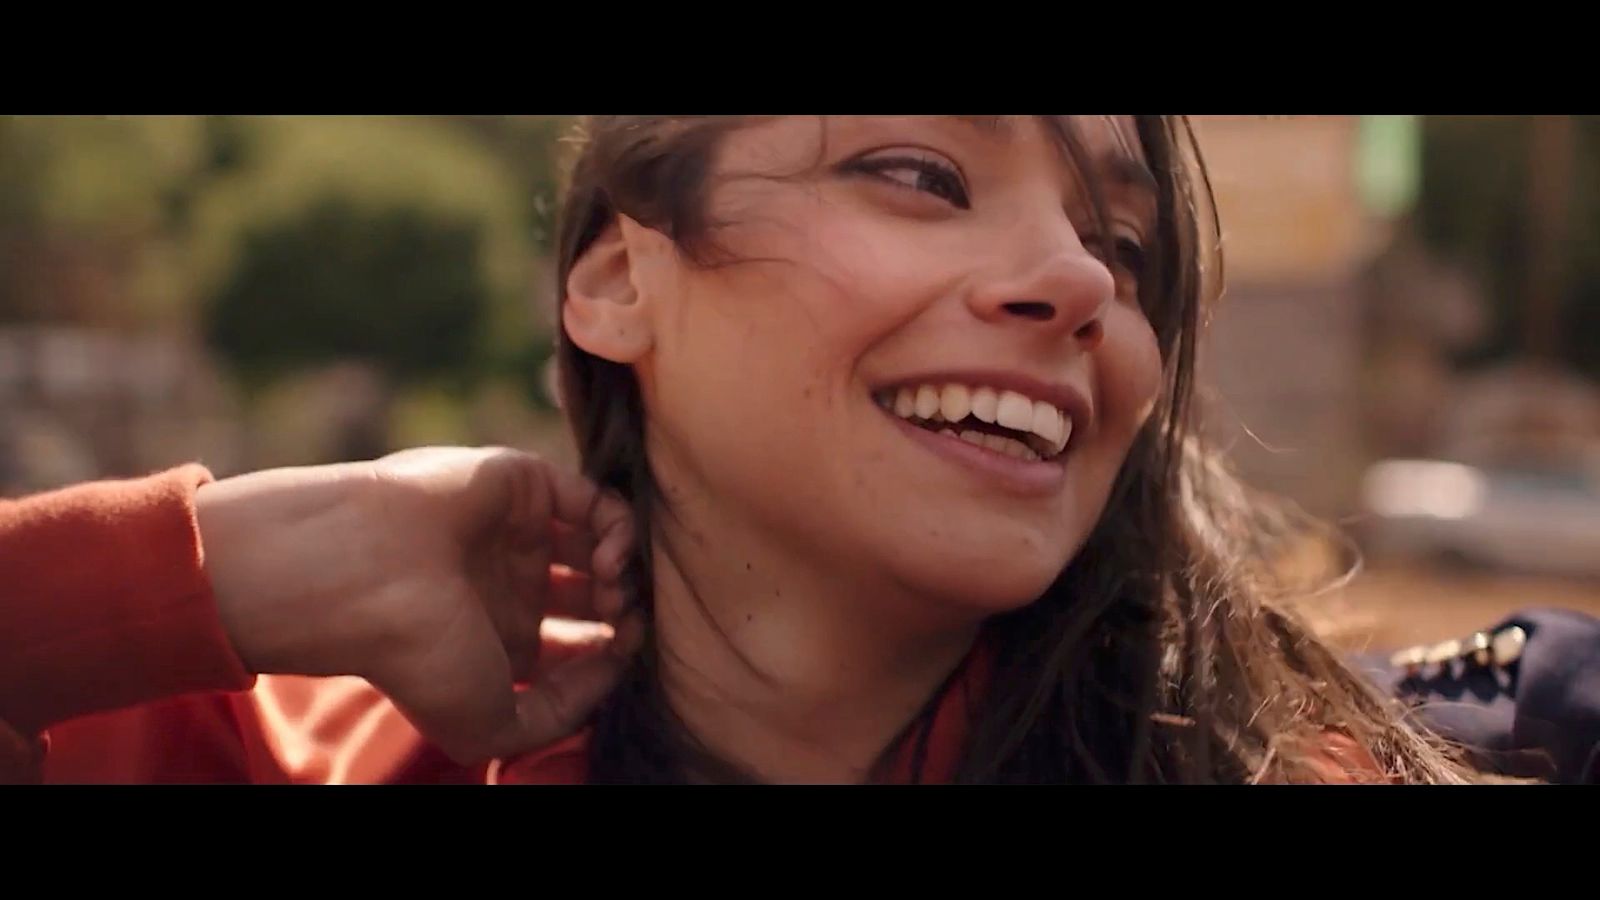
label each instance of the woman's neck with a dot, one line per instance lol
(791, 670)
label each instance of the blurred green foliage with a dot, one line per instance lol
(400, 289)
(91, 173)
(415, 242)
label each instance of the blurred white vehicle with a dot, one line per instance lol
(1536, 516)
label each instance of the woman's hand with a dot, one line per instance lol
(431, 573)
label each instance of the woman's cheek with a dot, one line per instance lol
(1130, 369)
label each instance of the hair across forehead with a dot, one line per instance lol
(665, 130)
(659, 171)
(643, 163)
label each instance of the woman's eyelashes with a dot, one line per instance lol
(1129, 254)
(1123, 254)
(916, 170)
(927, 172)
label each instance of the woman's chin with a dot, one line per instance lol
(991, 588)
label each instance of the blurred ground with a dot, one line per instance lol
(1390, 606)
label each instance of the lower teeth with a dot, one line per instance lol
(1005, 446)
(996, 443)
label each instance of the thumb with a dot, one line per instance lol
(567, 692)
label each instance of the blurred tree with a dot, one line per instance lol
(20, 164)
(1516, 202)
(129, 222)
(81, 224)
(227, 145)
(1582, 326)
(1471, 212)
(438, 167)
(400, 289)
(530, 147)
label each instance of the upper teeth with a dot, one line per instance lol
(1008, 409)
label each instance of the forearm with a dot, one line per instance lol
(284, 549)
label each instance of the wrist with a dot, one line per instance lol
(277, 548)
(216, 518)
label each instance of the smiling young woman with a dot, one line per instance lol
(906, 403)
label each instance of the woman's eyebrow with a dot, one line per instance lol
(990, 126)
(1126, 171)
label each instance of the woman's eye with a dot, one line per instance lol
(1127, 254)
(919, 173)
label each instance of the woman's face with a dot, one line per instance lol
(920, 361)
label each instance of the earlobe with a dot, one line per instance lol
(603, 311)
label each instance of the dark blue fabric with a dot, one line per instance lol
(1536, 717)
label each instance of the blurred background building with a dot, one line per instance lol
(1409, 342)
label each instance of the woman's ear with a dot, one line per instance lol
(604, 311)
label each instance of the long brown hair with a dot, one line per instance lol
(1167, 651)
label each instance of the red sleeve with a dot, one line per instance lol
(115, 667)
(105, 603)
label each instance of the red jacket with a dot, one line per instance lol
(114, 668)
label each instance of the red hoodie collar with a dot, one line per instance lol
(567, 760)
